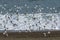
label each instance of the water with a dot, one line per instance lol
(30, 6)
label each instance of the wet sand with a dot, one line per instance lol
(55, 35)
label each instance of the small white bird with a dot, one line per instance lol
(49, 32)
(5, 33)
(44, 34)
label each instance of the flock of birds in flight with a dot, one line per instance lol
(36, 17)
